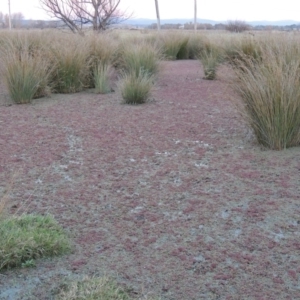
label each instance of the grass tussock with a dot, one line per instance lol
(242, 49)
(136, 89)
(102, 78)
(24, 67)
(70, 65)
(101, 53)
(140, 57)
(270, 94)
(93, 289)
(26, 77)
(210, 62)
(196, 45)
(29, 237)
(175, 45)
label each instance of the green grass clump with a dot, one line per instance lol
(135, 89)
(71, 66)
(196, 44)
(210, 62)
(24, 67)
(102, 288)
(101, 51)
(237, 50)
(29, 237)
(141, 56)
(26, 77)
(175, 46)
(270, 94)
(101, 78)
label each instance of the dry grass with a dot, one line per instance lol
(135, 89)
(142, 56)
(270, 93)
(103, 288)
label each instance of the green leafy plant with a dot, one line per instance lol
(30, 263)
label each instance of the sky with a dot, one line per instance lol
(218, 10)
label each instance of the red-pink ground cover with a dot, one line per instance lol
(173, 198)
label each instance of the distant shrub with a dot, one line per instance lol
(237, 26)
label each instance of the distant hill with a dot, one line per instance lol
(274, 23)
(147, 22)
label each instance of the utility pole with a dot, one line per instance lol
(9, 15)
(195, 15)
(157, 15)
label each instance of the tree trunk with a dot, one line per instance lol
(9, 15)
(195, 15)
(157, 15)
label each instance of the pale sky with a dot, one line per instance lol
(219, 10)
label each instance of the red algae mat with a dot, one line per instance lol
(173, 198)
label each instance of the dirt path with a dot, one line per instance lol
(173, 198)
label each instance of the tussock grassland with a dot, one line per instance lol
(266, 68)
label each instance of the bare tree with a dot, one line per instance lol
(16, 20)
(76, 13)
(157, 15)
(237, 26)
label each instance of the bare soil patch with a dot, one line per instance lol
(173, 198)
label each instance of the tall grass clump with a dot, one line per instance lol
(101, 53)
(28, 237)
(136, 88)
(196, 44)
(26, 76)
(210, 61)
(101, 78)
(70, 64)
(242, 49)
(175, 45)
(140, 57)
(24, 67)
(270, 94)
